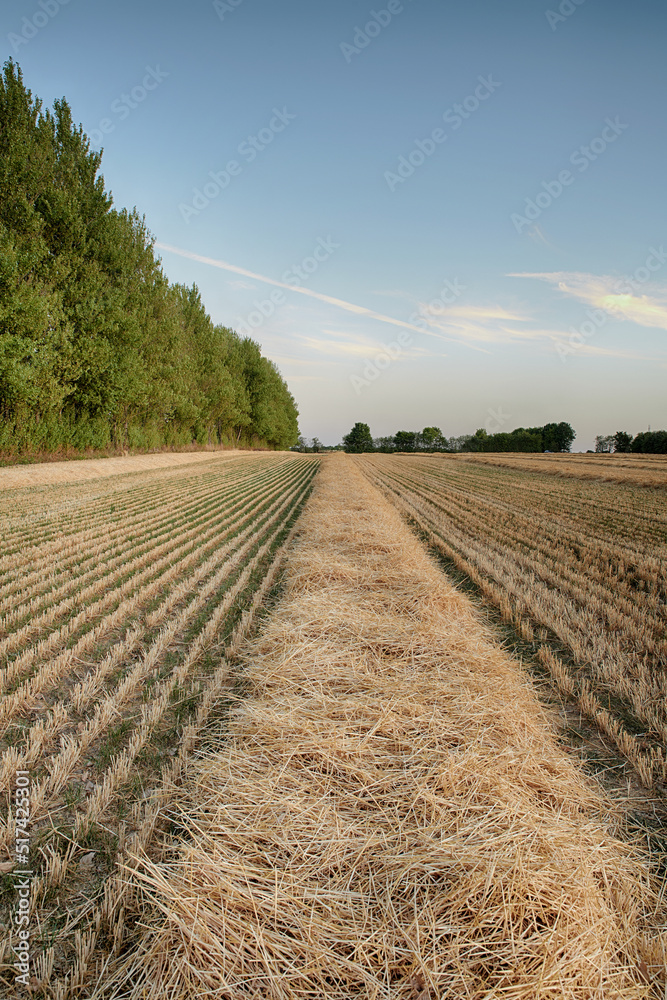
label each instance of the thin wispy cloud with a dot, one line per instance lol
(475, 325)
(602, 292)
(346, 346)
(500, 326)
(329, 299)
(592, 351)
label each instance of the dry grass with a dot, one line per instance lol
(641, 470)
(49, 473)
(582, 565)
(390, 815)
(114, 654)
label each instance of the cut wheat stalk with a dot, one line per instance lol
(391, 815)
(112, 552)
(139, 592)
(106, 582)
(623, 658)
(117, 889)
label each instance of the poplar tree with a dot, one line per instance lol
(97, 349)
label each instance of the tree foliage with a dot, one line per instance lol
(650, 443)
(359, 439)
(622, 441)
(646, 442)
(551, 437)
(97, 349)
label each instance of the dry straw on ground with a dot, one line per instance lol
(642, 470)
(48, 473)
(119, 614)
(390, 816)
(582, 566)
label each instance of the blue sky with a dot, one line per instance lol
(425, 212)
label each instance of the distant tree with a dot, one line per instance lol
(385, 444)
(405, 441)
(461, 443)
(557, 437)
(525, 440)
(359, 439)
(651, 442)
(604, 443)
(317, 445)
(622, 441)
(430, 437)
(479, 440)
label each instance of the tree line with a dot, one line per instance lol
(550, 437)
(97, 349)
(646, 442)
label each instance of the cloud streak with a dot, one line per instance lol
(474, 325)
(329, 299)
(341, 345)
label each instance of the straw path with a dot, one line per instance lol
(390, 815)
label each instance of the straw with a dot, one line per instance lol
(391, 815)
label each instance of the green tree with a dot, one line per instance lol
(622, 441)
(405, 441)
(359, 439)
(384, 444)
(479, 440)
(557, 437)
(96, 347)
(650, 442)
(430, 438)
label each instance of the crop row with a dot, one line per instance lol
(112, 670)
(594, 603)
(642, 470)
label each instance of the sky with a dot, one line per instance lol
(425, 212)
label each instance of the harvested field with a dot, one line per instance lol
(640, 470)
(389, 815)
(123, 599)
(578, 568)
(46, 473)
